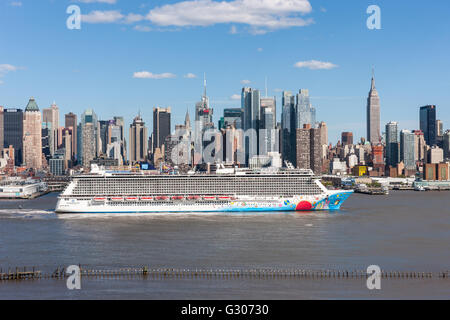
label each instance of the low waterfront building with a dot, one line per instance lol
(18, 188)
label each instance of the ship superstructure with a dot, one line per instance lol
(283, 190)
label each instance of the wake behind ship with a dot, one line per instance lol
(229, 191)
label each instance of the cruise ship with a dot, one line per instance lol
(230, 191)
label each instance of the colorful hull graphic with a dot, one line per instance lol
(332, 201)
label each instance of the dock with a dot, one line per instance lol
(17, 274)
(148, 273)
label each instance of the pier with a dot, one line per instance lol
(177, 273)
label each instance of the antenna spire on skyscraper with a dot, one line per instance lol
(373, 78)
(266, 86)
(204, 84)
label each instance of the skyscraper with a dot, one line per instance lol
(392, 145)
(288, 122)
(420, 146)
(251, 104)
(323, 133)
(89, 143)
(268, 137)
(203, 121)
(71, 122)
(439, 128)
(161, 126)
(407, 149)
(46, 132)
(232, 117)
(305, 112)
(119, 122)
(309, 149)
(32, 136)
(89, 137)
(13, 133)
(428, 124)
(373, 115)
(103, 127)
(446, 144)
(138, 140)
(51, 115)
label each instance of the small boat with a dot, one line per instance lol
(193, 197)
(224, 198)
(132, 198)
(419, 188)
(177, 198)
(116, 199)
(146, 198)
(99, 199)
(161, 198)
(209, 198)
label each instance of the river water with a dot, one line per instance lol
(404, 231)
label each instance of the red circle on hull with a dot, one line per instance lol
(304, 206)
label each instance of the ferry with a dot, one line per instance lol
(241, 190)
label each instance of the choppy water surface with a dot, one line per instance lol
(407, 231)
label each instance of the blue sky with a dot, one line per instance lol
(94, 67)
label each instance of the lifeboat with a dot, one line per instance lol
(177, 198)
(116, 199)
(224, 198)
(99, 199)
(146, 198)
(161, 198)
(193, 197)
(131, 198)
(209, 198)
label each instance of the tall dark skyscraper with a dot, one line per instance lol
(138, 140)
(71, 122)
(103, 126)
(251, 104)
(428, 124)
(161, 126)
(392, 144)
(373, 115)
(288, 120)
(13, 133)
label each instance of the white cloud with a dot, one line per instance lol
(235, 97)
(16, 3)
(244, 82)
(98, 1)
(133, 18)
(5, 68)
(315, 65)
(263, 15)
(142, 28)
(102, 16)
(150, 75)
(190, 76)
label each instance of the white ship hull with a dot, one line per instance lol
(330, 201)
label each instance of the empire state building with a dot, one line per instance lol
(373, 115)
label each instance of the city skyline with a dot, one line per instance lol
(99, 78)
